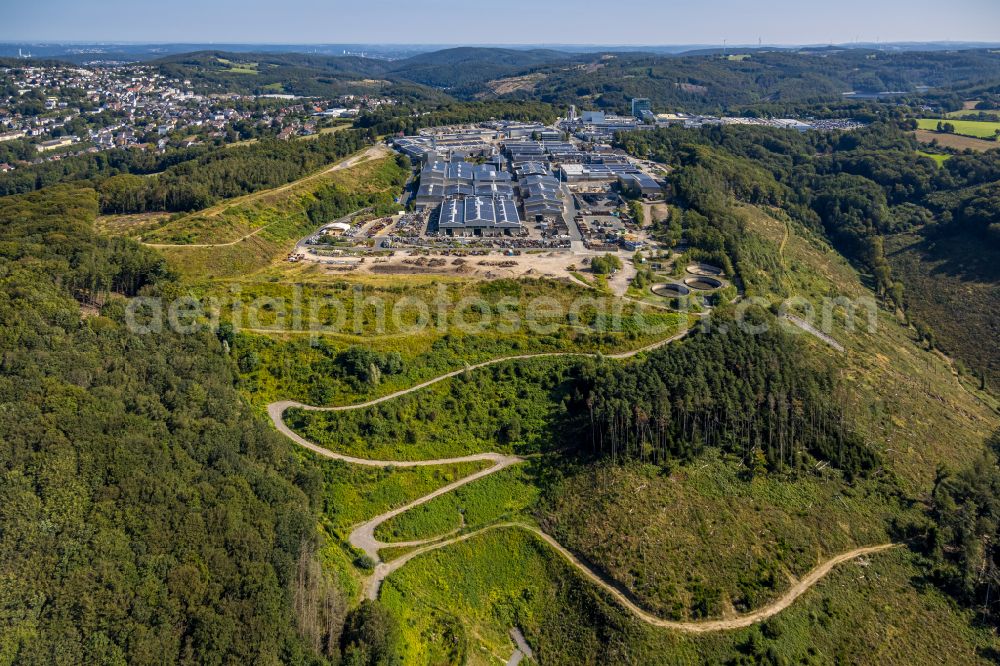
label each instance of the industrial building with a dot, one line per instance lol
(451, 145)
(541, 196)
(640, 105)
(479, 216)
(641, 183)
(576, 173)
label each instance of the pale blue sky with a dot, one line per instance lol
(501, 21)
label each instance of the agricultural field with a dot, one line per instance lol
(973, 128)
(954, 141)
(239, 67)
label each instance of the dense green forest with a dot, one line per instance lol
(757, 78)
(134, 181)
(95, 166)
(752, 394)
(294, 74)
(394, 120)
(147, 514)
(962, 539)
(715, 82)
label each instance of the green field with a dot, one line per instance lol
(974, 128)
(239, 67)
(966, 113)
(937, 157)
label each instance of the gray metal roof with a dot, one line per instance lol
(494, 190)
(479, 212)
(452, 214)
(506, 214)
(459, 189)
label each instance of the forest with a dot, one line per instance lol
(962, 537)
(186, 179)
(753, 395)
(698, 82)
(713, 82)
(148, 514)
(393, 120)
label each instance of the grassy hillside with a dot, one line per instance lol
(953, 284)
(903, 396)
(241, 235)
(973, 128)
(699, 539)
(233, 219)
(861, 614)
(281, 366)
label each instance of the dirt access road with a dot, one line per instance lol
(372, 153)
(363, 536)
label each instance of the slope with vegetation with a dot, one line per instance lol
(248, 233)
(863, 191)
(764, 79)
(148, 514)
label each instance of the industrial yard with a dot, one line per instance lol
(509, 198)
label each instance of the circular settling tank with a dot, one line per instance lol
(704, 269)
(703, 283)
(670, 290)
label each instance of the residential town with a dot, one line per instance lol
(58, 111)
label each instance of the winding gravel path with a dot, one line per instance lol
(625, 598)
(363, 536)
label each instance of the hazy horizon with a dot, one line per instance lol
(520, 23)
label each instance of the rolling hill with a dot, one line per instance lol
(604, 79)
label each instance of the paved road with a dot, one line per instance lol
(521, 650)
